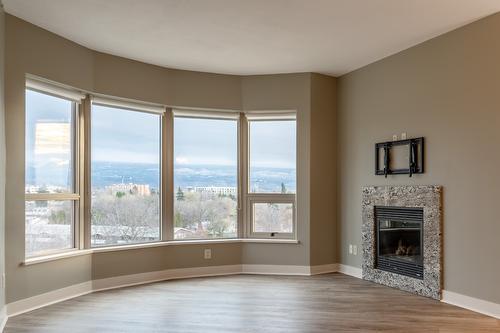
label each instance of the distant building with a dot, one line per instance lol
(218, 190)
(44, 189)
(183, 233)
(138, 189)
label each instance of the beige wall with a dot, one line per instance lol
(33, 50)
(109, 264)
(122, 77)
(323, 170)
(284, 92)
(63, 61)
(447, 90)
(2, 153)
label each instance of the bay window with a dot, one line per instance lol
(104, 171)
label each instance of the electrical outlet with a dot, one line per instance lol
(208, 254)
(403, 136)
(350, 248)
(355, 250)
(394, 137)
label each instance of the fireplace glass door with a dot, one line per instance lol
(400, 240)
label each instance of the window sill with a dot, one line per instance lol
(74, 253)
(55, 256)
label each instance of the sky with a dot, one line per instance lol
(214, 142)
(124, 136)
(119, 135)
(205, 142)
(272, 144)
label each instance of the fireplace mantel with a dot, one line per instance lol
(427, 197)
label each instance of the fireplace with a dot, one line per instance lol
(399, 240)
(401, 235)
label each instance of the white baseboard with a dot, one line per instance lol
(474, 304)
(350, 270)
(470, 303)
(3, 318)
(275, 269)
(323, 269)
(51, 297)
(168, 274)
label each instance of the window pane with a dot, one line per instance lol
(272, 156)
(49, 226)
(273, 217)
(49, 142)
(205, 178)
(125, 176)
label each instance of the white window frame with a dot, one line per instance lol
(76, 98)
(250, 197)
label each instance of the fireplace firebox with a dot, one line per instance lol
(399, 240)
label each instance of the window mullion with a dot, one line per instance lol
(84, 179)
(243, 177)
(167, 179)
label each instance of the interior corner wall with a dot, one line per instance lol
(323, 170)
(446, 90)
(2, 154)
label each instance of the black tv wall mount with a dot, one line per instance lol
(415, 157)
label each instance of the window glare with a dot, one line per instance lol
(125, 176)
(272, 156)
(49, 143)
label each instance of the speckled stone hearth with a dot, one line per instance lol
(427, 197)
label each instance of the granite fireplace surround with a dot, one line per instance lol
(427, 197)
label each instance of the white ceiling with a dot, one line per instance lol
(252, 36)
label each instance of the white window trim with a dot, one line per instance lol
(126, 104)
(201, 114)
(271, 115)
(54, 89)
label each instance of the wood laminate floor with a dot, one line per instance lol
(248, 303)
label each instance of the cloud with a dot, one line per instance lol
(181, 160)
